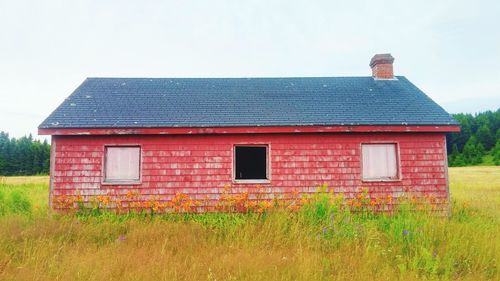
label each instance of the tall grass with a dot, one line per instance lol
(320, 242)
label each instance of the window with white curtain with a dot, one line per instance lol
(122, 164)
(380, 161)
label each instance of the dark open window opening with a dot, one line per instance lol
(251, 162)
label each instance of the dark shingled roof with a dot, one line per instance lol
(226, 102)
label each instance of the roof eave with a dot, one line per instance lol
(251, 130)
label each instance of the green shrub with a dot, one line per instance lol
(318, 209)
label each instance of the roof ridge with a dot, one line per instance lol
(249, 77)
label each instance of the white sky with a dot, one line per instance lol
(450, 49)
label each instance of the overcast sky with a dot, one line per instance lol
(449, 49)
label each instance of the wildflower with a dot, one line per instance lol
(104, 199)
(130, 195)
(156, 206)
(357, 204)
(432, 198)
(406, 232)
(293, 207)
(303, 201)
(350, 202)
(146, 204)
(121, 237)
(79, 198)
(118, 203)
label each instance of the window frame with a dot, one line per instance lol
(268, 164)
(399, 176)
(120, 182)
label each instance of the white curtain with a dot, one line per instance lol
(379, 161)
(122, 163)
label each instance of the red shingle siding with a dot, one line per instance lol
(200, 165)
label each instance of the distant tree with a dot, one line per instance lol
(45, 157)
(478, 136)
(23, 156)
(4, 142)
(456, 159)
(473, 153)
(485, 137)
(459, 161)
(465, 133)
(480, 152)
(496, 153)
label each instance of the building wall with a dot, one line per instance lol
(201, 165)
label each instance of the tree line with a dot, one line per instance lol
(23, 156)
(478, 142)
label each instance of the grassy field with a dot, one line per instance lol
(312, 244)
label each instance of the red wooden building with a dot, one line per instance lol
(196, 136)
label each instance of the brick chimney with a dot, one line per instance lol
(381, 65)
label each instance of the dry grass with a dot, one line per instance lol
(478, 187)
(275, 246)
(42, 180)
